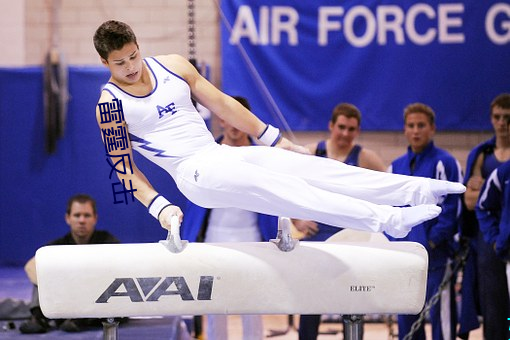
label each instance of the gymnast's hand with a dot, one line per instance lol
(286, 144)
(166, 215)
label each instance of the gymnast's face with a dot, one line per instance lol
(344, 131)
(82, 221)
(419, 131)
(125, 64)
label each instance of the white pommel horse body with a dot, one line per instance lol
(352, 277)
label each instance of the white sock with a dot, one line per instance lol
(412, 216)
(442, 188)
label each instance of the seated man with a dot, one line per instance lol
(81, 216)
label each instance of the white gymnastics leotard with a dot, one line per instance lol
(165, 127)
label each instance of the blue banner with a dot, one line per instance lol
(295, 60)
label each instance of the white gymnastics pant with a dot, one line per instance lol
(278, 182)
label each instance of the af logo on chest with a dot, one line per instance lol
(152, 288)
(165, 110)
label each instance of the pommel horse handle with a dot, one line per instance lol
(173, 240)
(284, 240)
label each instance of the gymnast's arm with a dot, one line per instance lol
(224, 106)
(144, 193)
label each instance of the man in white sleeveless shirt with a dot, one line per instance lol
(230, 225)
(164, 126)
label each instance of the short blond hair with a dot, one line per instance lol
(420, 108)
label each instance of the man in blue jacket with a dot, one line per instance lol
(424, 159)
(484, 276)
(493, 212)
(229, 225)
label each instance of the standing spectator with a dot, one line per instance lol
(230, 225)
(344, 128)
(493, 213)
(484, 277)
(424, 159)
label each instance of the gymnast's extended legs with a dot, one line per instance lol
(287, 184)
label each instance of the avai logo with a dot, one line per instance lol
(152, 288)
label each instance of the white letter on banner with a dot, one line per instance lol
(278, 25)
(412, 13)
(385, 25)
(446, 22)
(264, 25)
(325, 25)
(350, 17)
(244, 26)
(490, 18)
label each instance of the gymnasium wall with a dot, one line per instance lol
(36, 185)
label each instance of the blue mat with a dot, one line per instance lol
(134, 329)
(15, 286)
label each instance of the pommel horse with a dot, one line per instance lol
(173, 277)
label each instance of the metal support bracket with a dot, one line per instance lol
(284, 240)
(173, 240)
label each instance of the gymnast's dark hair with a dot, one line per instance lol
(112, 35)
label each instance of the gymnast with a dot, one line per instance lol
(277, 178)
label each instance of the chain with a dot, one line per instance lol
(191, 30)
(459, 265)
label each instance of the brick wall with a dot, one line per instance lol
(161, 27)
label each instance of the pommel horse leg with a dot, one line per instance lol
(110, 329)
(353, 327)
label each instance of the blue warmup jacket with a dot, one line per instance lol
(435, 163)
(493, 210)
(468, 319)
